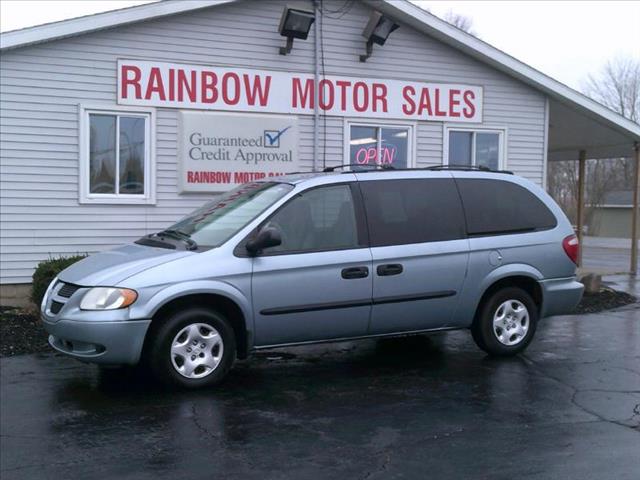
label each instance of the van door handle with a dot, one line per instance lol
(389, 270)
(355, 272)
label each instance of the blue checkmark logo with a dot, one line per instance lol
(272, 137)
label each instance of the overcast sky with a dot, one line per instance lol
(564, 39)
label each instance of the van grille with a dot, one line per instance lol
(67, 290)
(60, 294)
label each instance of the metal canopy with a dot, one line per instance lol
(571, 131)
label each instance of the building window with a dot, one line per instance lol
(484, 147)
(116, 160)
(380, 144)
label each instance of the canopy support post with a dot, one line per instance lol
(634, 211)
(582, 161)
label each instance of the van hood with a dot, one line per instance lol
(110, 268)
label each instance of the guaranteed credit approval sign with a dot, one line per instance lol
(201, 87)
(219, 151)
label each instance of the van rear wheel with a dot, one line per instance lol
(506, 322)
(192, 348)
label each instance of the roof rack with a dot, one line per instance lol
(373, 166)
(382, 168)
(468, 168)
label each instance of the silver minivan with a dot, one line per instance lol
(323, 257)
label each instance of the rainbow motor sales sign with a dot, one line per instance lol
(160, 84)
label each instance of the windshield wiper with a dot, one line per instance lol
(180, 235)
(152, 242)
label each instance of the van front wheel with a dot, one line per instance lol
(192, 348)
(506, 322)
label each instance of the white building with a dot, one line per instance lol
(117, 124)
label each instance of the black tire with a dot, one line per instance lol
(159, 355)
(483, 326)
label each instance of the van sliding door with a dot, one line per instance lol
(419, 250)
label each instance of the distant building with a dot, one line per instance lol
(613, 217)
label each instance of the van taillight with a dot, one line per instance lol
(571, 247)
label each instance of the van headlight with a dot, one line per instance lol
(108, 298)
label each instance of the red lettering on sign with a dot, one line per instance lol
(409, 107)
(186, 84)
(249, 90)
(342, 85)
(155, 85)
(208, 177)
(172, 86)
(454, 101)
(244, 177)
(360, 106)
(326, 94)
(134, 81)
(379, 96)
(257, 91)
(470, 110)
(303, 98)
(425, 102)
(439, 112)
(209, 92)
(227, 78)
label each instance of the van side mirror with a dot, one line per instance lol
(266, 238)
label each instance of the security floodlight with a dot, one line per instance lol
(295, 23)
(377, 31)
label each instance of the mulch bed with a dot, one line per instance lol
(606, 299)
(21, 331)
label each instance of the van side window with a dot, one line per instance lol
(407, 211)
(320, 219)
(496, 207)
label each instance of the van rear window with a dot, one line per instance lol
(495, 207)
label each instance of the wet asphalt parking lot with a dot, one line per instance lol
(415, 407)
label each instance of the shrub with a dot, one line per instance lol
(46, 271)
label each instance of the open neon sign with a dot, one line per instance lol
(369, 155)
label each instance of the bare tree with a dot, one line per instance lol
(617, 86)
(460, 21)
(602, 176)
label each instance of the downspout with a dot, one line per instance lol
(316, 73)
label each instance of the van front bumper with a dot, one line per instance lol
(103, 342)
(560, 296)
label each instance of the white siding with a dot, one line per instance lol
(42, 86)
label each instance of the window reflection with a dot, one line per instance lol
(102, 153)
(488, 150)
(121, 171)
(460, 144)
(474, 148)
(132, 131)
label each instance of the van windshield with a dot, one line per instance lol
(218, 220)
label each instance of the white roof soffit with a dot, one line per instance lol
(100, 21)
(402, 10)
